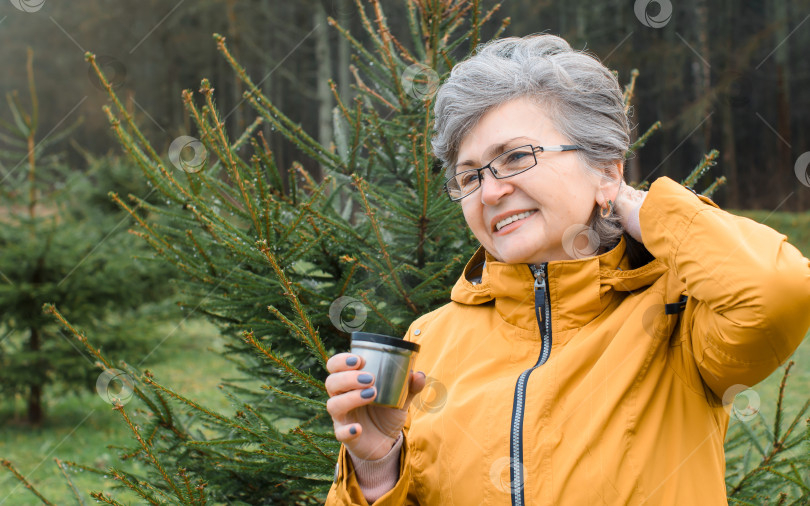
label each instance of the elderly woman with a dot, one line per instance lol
(595, 340)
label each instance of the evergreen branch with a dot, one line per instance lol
(469, 34)
(286, 366)
(258, 97)
(83, 467)
(709, 160)
(309, 440)
(708, 192)
(789, 478)
(8, 465)
(91, 58)
(303, 400)
(99, 496)
(269, 112)
(476, 12)
(208, 93)
(264, 233)
(376, 310)
(353, 41)
(313, 338)
(362, 186)
(753, 438)
(267, 157)
(363, 87)
(796, 420)
(504, 23)
(136, 154)
(373, 34)
(777, 423)
(338, 101)
(200, 409)
(184, 475)
(740, 501)
(384, 49)
(120, 408)
(72, 486)
(352, 269)
(629, 90)
(114, 196)
(203, 254)
(247, 134)
(134, 487)
(219, 442)
(641, 141)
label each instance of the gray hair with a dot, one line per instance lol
(583, 99)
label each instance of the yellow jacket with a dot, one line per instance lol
(626, 407)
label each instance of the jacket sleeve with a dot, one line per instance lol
(345, 490)
(749, 289)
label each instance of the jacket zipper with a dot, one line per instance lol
(542, 311)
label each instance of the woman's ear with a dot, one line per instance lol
(610, 184)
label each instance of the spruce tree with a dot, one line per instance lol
(59, 244)
(288, 266)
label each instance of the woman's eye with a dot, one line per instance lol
(519, 155)
(469, 178)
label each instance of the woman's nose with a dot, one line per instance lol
(492, 189)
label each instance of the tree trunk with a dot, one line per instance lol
(785, 175)
(236, 88)
(35, 411)
(343, 53)
(704, 73)
(323, 74)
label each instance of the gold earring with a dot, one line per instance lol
(604, 212)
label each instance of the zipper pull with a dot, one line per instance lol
(539, 276)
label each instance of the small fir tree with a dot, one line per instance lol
(59, 246)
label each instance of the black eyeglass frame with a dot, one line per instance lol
(535, 149)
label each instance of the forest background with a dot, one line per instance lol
(726, 75)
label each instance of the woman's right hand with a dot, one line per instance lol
(368, 432)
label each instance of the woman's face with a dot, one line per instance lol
(558, 192)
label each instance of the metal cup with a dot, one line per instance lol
(389, 359)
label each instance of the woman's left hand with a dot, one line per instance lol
(627, 206)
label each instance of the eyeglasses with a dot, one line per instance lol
(507, 164)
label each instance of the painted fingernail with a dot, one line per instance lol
(367, 393)
(353, 429)
(351, 361)
(365, 378)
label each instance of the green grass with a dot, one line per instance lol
(80, 427)
(796, 226)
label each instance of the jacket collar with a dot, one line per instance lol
(579, 290)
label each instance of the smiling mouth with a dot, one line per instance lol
(511, 219)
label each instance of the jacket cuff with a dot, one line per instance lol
(376, 477)
(346, 489)
(665, 228)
